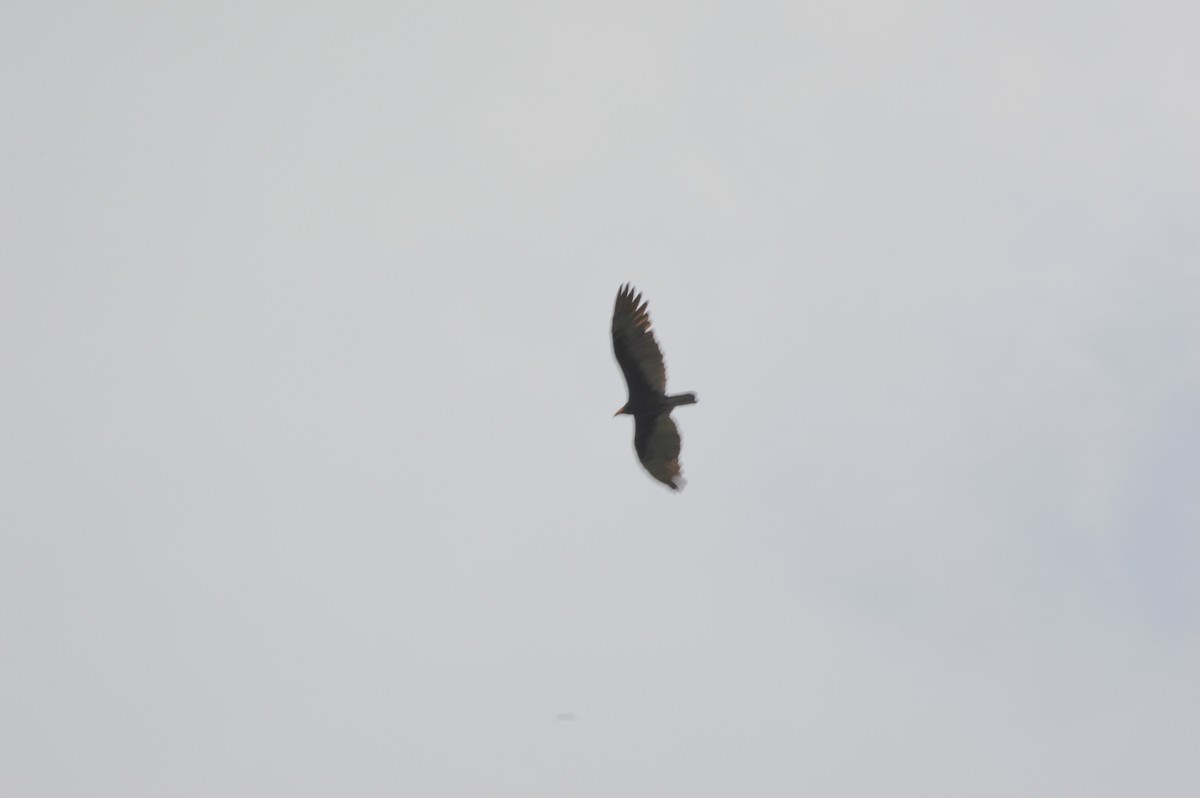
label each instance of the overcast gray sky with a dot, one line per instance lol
(310, 481)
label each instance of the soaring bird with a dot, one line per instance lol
(655, 437)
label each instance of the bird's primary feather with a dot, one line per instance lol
(633, 342)
(656, 441)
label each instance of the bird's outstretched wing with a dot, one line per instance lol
(637, 352)
(656, 440)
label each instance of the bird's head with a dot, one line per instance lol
(622, 411)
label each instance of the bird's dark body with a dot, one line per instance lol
(655, 437)
(647, 405)
(645, 418)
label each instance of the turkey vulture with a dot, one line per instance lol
(654, 434)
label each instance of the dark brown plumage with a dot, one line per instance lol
(655, 437)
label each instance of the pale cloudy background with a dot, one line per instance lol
(310, 484)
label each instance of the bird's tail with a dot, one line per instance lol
(681, 399)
